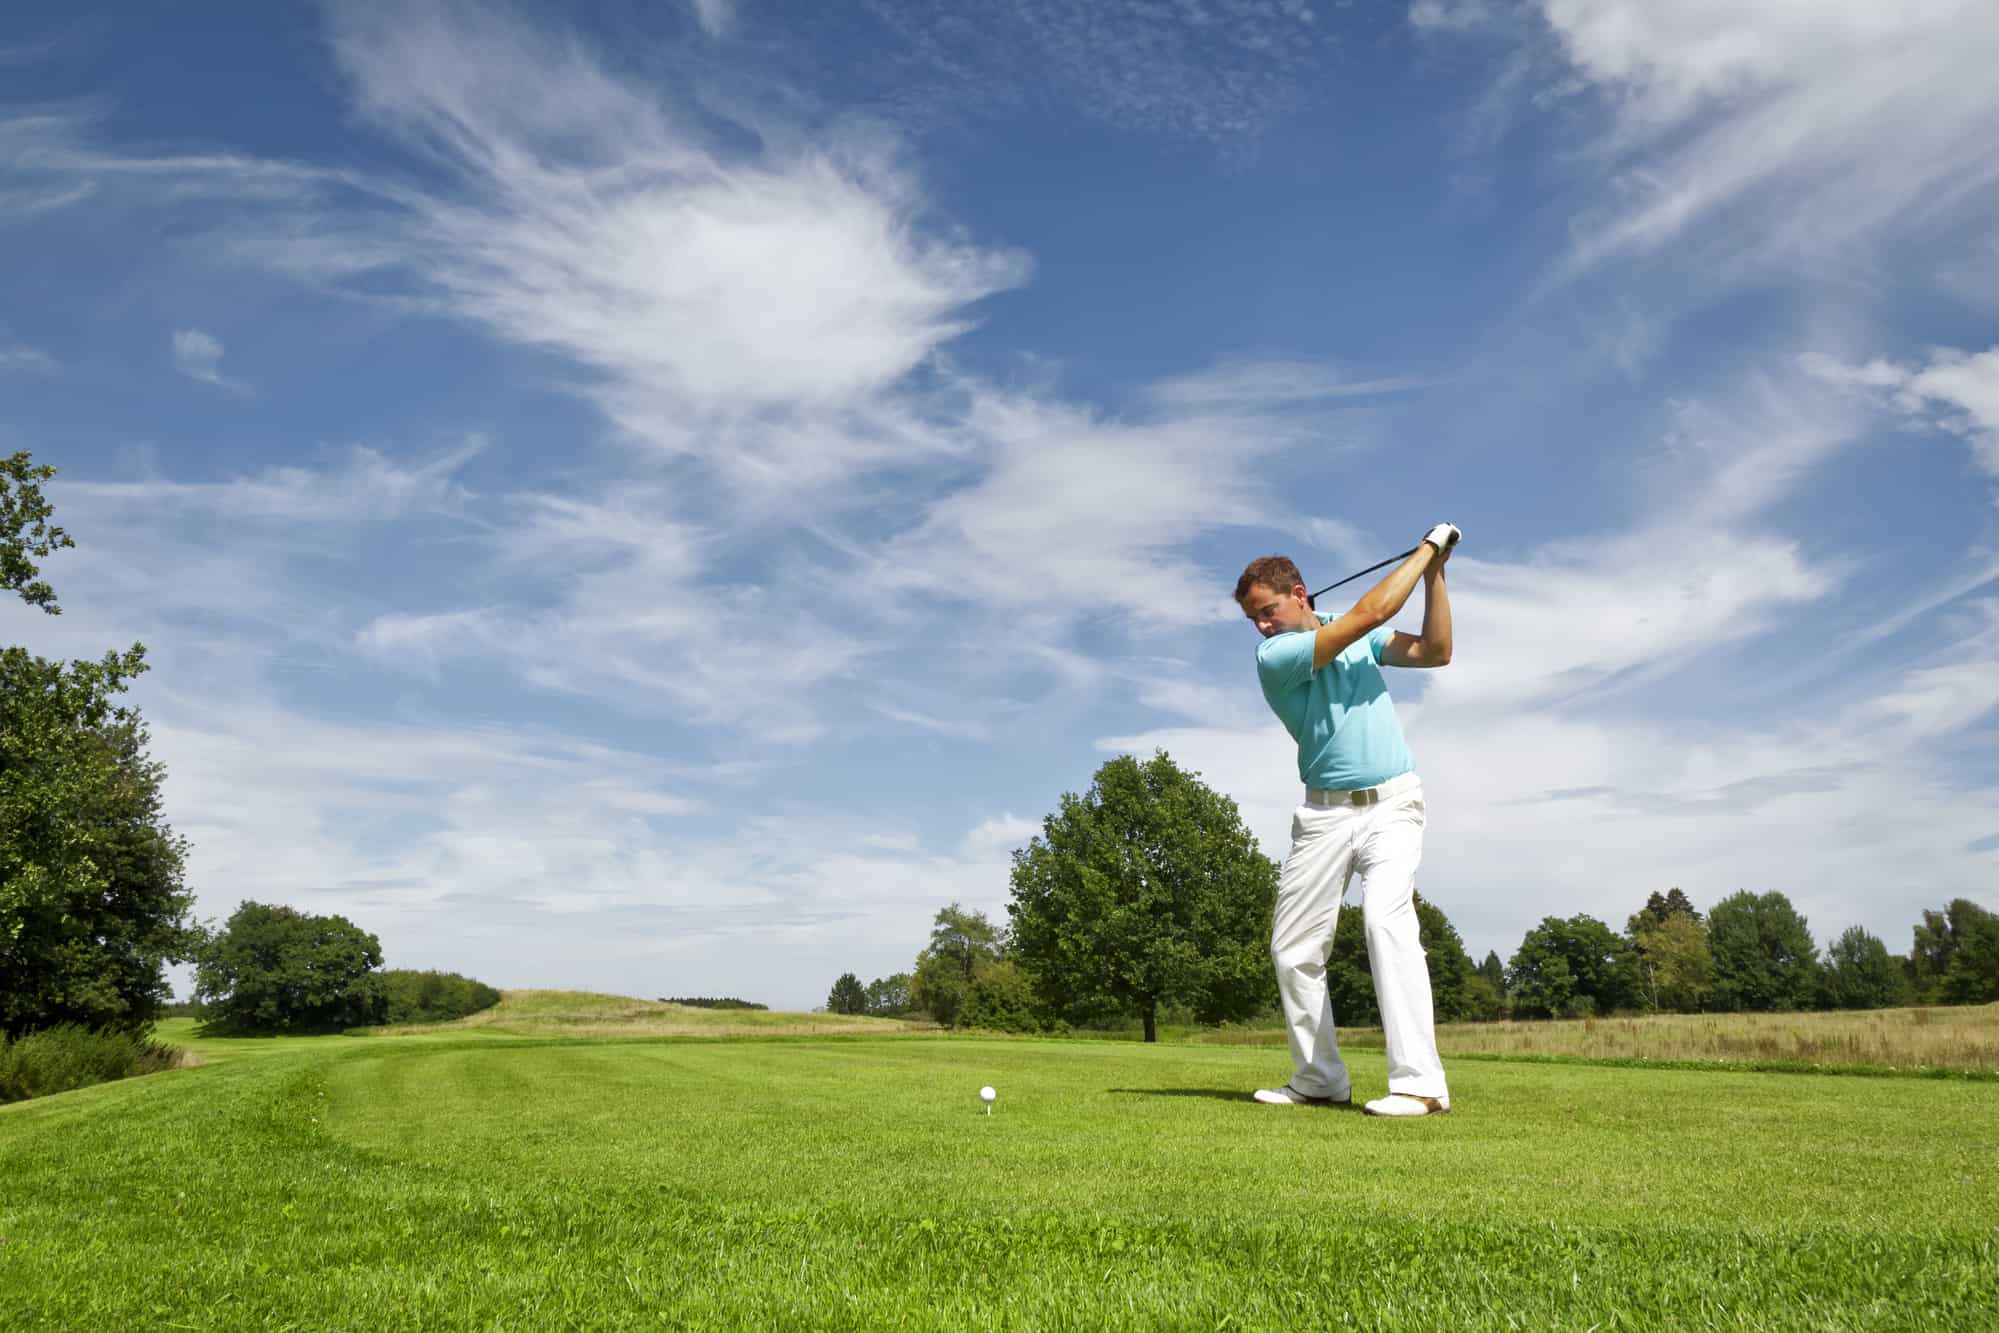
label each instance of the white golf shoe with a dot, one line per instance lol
(1290, 1096)
(1407, 1104)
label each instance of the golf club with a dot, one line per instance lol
(1450, 542)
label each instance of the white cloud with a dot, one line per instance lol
(1770, 131)
(32, 201)
(1452, 15)
(714, 16)
(970, 730)
(198, 356)
(1955, 390)
(590, 221)
(1000, 836)
(1078, 518)
(1268, 384)
(365, 485)
(21, 359)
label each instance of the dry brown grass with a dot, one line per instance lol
(582, 1014)
(1965, 1037)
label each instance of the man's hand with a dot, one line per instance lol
(1444, 536)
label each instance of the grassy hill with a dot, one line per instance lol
(586, 1014)
(549, 1013)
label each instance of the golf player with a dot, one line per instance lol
(1362, 817)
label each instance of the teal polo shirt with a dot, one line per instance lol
(1340, 715)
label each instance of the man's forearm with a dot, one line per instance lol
(1381, 602)
(1436, 615)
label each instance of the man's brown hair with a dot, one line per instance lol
(1275, 572)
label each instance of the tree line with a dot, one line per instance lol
(1145, 895)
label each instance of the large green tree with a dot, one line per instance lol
(1764, 955)
(1571, 967)
(1860, 974)
(274, 969)
(1145, 890)
(92, 900)
(1956, 955)
(1350, 977)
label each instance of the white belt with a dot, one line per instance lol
(1326, 796)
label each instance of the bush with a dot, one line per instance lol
(1001, 999)
(709, 1002)
(69, 1055)
(434, 997)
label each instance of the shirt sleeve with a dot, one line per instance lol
(1284, 661)
(1377, 641)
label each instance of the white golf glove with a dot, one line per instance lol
(1444, 536)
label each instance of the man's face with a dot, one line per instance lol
(1274, 612)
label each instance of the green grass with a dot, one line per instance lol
(479, 1180)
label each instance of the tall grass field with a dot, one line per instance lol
(513, 1174)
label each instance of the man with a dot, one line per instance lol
(1362, 816)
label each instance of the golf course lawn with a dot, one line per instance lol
(491, 1181)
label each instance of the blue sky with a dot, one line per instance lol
(664, 498)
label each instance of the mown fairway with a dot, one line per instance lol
(479, 1180)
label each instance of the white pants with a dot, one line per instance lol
(1382, 844)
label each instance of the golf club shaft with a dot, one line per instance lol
(1369, 570)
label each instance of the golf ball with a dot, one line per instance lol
(986, 1095)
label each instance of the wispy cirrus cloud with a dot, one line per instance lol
(1954, 390)
(1218, 70)
(1766, 133)
(20, 359)
(360, 484)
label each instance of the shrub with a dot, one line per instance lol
(709, 1002)
(1001, 999)
(434, 997)
(69, 1055)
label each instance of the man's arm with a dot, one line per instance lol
(1432, 648)
(1376, 607)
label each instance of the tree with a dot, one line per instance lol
(276, 969)
(433, 996)
(848, 996)
(963, 938)
(1494, 972)
(888, 997)
(1145, 890)
(1350, 976)
(1764, 956)
(1955, 959)
(92, 902)
(937, 987)
(25, 532)
(1658, 908)
(1483, 1003)
(1569, 968)
(959, 942)
(1860, 974)
(1674, 961)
